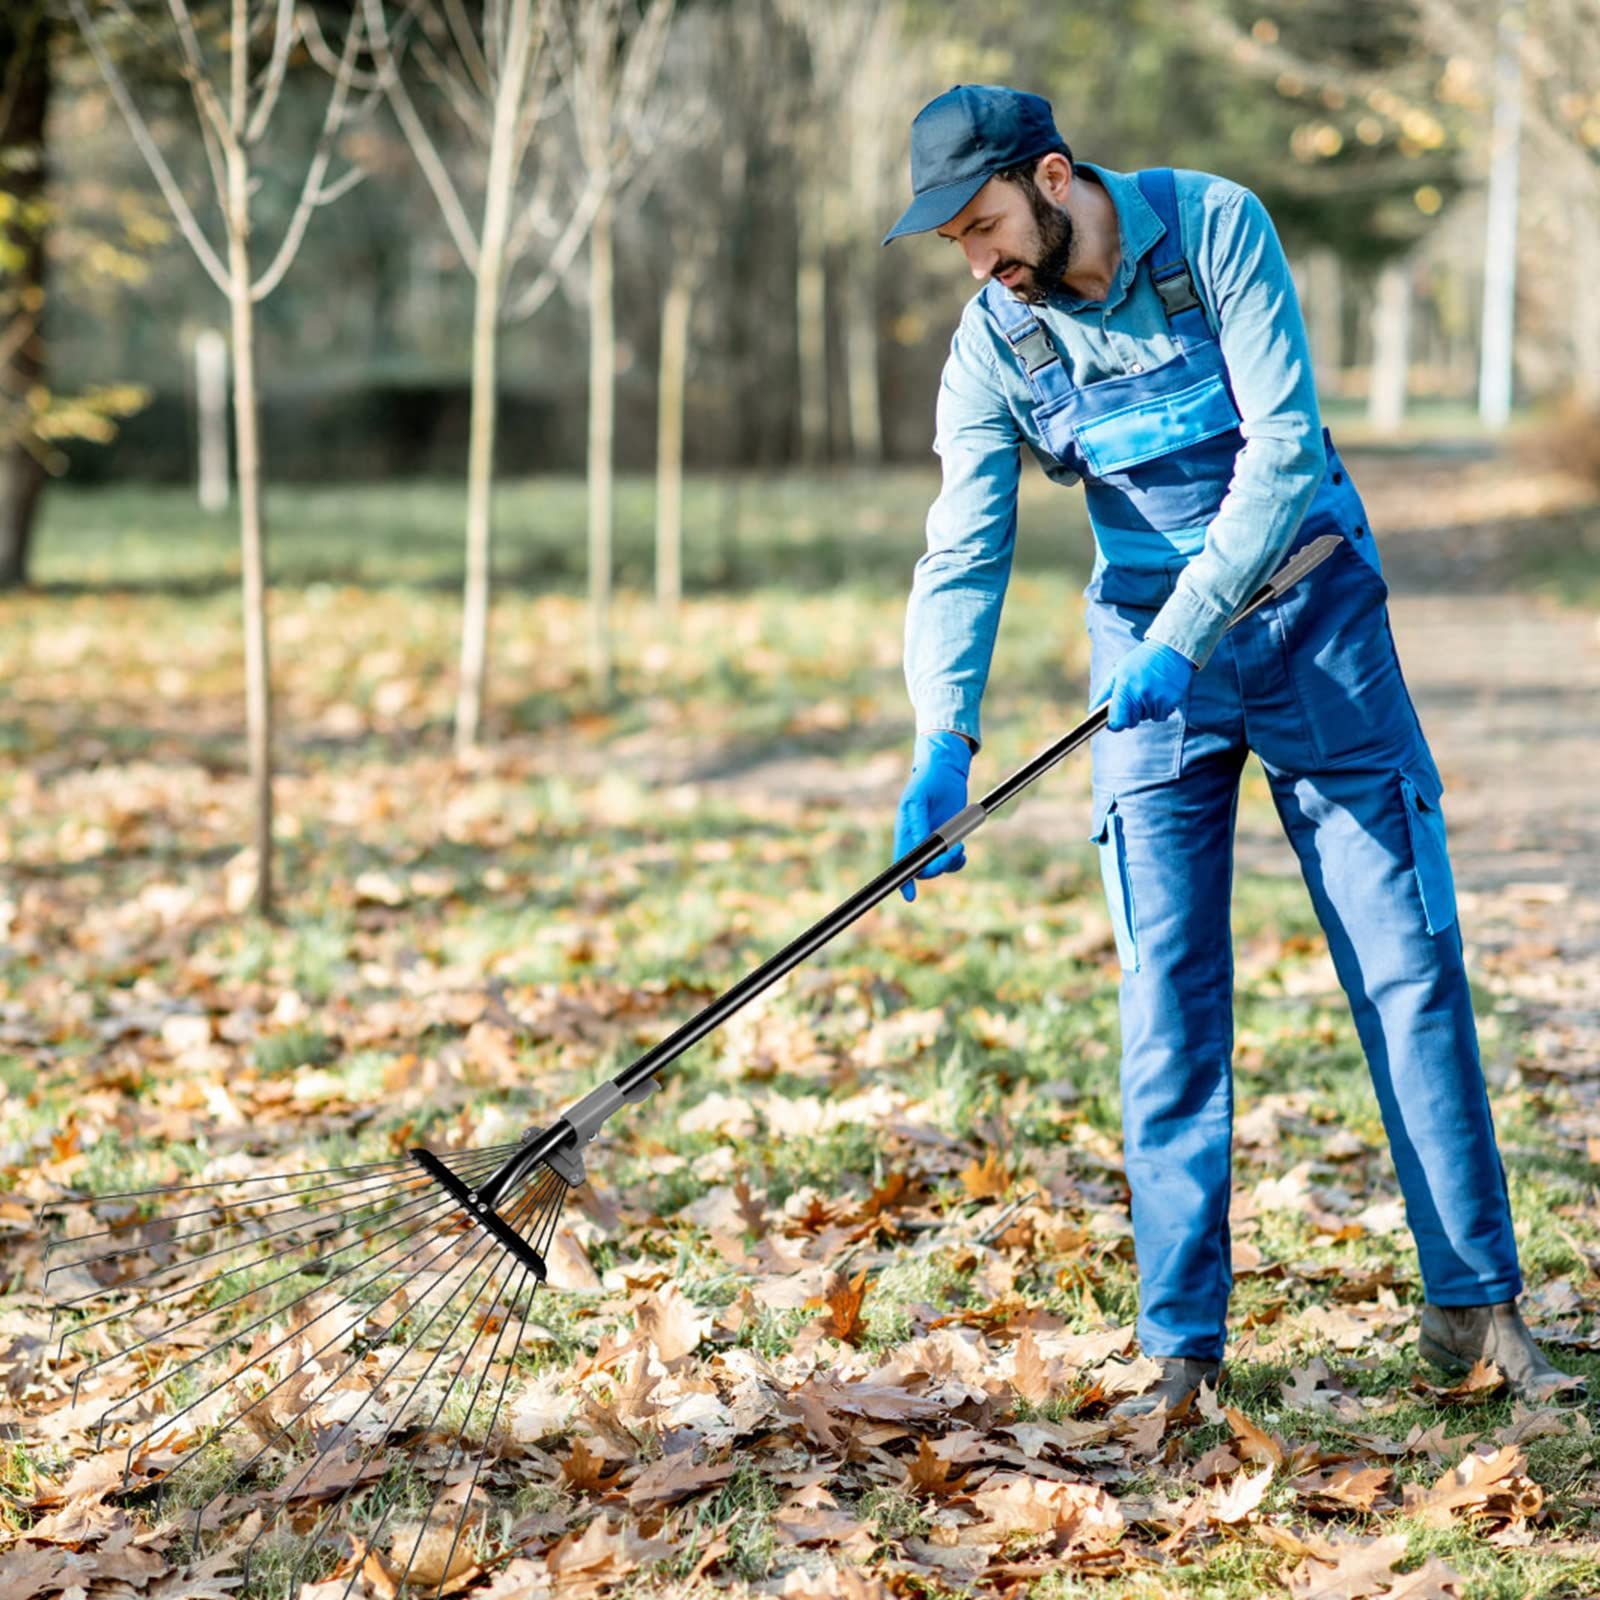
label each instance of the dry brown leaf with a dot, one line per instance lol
(1478, 1486)
(1082, 1512)
(1481, 1384)
(1433, 1580)
(674, 1478)
(834, 1583)
(439, 1554)
(1252, 1443)
(1349, 1484)
(1240, 1499)
(584, 1470)
(667, 1320)
(932, 1473)
(601, 1550)
(987, 1180)
(1034, 1379)
(843, 1299)
(1218, 1462)
(1348, 1569)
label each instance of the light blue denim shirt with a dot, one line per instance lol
(985, 415)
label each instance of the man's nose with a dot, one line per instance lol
(981, 259)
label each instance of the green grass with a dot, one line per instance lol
(606, 853)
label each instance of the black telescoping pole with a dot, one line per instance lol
(635, 1080)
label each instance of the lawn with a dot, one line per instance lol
(862, 1273)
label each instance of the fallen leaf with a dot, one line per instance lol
(932, 1473)
(1433, 1580)
(667, 1320)
(1348, 1569)
(1478, 1486)
(843, 1299)
(987, 1180)
(1236, 1501)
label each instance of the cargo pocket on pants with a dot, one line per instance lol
(1114, 874)
(1430, 855)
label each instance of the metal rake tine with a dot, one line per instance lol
(521, 1272)
(249, 1366)
(274, 1177)
(511, 1264)
(543, 1231)
(368, 1218)
(401, 1169)
(494, 1416)
(244, 1294)
(237, 1333)
(344, 1299)
(188, 1261)
(344, 1427)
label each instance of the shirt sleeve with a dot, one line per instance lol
(1243, 273)
(959, 584)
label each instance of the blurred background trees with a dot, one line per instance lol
(632, 234)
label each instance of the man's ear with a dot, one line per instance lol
(1053, 176)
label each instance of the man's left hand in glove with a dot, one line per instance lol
(1148, 684)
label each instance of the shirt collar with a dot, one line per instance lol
(1138, 227)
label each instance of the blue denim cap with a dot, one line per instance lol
(959, 142)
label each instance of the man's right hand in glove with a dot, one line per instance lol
(936, 790)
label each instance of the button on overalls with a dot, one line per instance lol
(1312, 685)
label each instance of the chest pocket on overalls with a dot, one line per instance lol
(1156, 426)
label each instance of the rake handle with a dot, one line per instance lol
(579, 1126)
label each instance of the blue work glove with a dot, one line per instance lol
(1148, 684)
(935, 791)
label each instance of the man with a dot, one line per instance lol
(1140, 334)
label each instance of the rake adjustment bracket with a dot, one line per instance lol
(587, 1118)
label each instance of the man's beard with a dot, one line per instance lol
(1041, 278)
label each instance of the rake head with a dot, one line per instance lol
(349, 1324)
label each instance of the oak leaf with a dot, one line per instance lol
(932, 1473)
(987, 1180)
(1348, 1570)
(843, 1299)
(1478, 1486)
(1238, 1500)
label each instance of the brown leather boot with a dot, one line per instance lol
(1454, 1337)
(1180, 1380)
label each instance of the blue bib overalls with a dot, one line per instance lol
(1312, 685)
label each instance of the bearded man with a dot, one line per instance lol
(1140, 333)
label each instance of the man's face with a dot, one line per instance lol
(1014, 232)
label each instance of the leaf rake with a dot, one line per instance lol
(366, 1313)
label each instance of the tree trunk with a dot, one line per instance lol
(1585, 306)
(1391, 337)
(211, 410)
(861, 360)
(811, 280)
(500, 180)
(675, 311)
(1325, 317)
(25, 47)
(1495, 371)
(247, 450)
(602, 404)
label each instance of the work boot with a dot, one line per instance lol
(1180, 1380)
(1453, 1338)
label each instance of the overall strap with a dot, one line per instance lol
(1169, 267)
(1030, 344)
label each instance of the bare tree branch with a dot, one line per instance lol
(282, 38)
(457, 91)
(534, 295)
(184, 217)
(422, 146)
(466, 42)
(311, 193)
